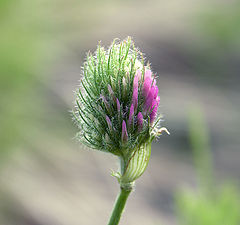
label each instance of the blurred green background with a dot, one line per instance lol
(46, 178)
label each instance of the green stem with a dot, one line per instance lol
(119, 206)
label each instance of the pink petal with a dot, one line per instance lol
(135, 98)
(146, 86)
(109, 123)
(149, 99)
(135, 82)
(118, 105)
(140, 121)
(110, 90)
(148, 74)
(155, 91)
(154, 109)
(124, 132)
(105, 103)
(131, 115)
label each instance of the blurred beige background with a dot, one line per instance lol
(46, 178)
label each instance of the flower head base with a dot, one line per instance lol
(117, 103)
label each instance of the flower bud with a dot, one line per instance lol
(120, 93)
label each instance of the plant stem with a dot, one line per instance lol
(119, 206)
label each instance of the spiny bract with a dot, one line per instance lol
(117, 102)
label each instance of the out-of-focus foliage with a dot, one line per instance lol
(222, 208)
(211, 204)
(199, 140)
(22, 53)
(215, 48)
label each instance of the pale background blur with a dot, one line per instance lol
(46, 178)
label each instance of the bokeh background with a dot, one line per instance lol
(46, 178)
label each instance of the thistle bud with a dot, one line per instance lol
(119, 92)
